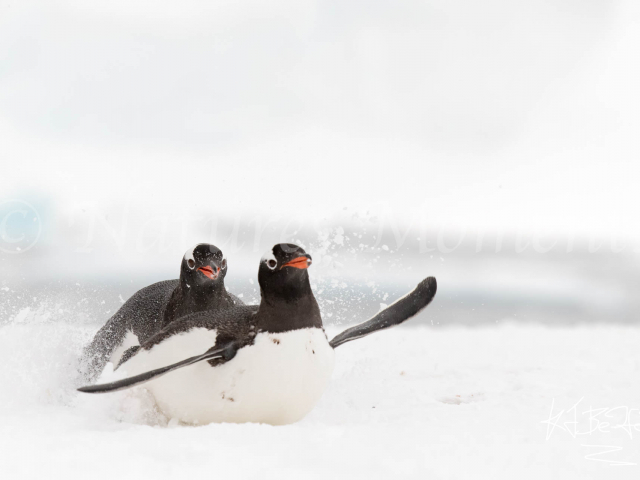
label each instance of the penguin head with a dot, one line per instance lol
(204, 264)
(283, 271)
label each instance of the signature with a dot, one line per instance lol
(579, 422)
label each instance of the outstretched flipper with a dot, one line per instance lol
(396, 313)
(226, 351)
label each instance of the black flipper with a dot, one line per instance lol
(226, 351)
(128, 353)
(396, 313)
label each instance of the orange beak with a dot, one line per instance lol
(299, 262)
(209, 272)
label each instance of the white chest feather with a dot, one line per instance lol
(277, 380)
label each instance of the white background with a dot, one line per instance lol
(491, 144)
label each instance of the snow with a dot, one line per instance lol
(414, 402)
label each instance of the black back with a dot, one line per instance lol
(141, 314)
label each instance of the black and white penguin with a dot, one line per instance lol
(149, 310)
(268, 363)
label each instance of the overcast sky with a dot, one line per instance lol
(498, 113)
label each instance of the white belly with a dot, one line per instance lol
(277, 380)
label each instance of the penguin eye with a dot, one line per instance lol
(224, 263)
(191, 263)
(272, 264)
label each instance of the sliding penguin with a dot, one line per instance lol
(268, 363)
(149, 310)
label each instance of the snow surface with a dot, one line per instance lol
(414, 402)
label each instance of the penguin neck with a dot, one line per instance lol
(276, 314)
(202, 297)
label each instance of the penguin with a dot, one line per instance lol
(200, 287)
(268, 363)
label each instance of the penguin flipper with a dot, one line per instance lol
(396, 313)
(226, 351)
(128, 353)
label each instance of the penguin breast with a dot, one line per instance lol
(276, 380)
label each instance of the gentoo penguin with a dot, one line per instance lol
(149, 310)
(268, 363)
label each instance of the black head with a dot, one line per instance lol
(283, 272)
(204, 265)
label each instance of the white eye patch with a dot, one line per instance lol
(191, 261)
(270, 259)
